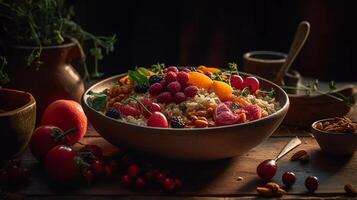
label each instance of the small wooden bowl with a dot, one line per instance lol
(334, 143)
(17, 121)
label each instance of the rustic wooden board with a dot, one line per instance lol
(218, 178)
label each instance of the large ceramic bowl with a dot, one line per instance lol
(187, 143)
(17, 121)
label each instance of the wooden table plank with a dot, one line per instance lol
(218, 178)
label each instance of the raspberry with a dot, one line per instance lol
(155, 89)
(164, 97)
(156, 79)
(182, 77)
(173, 87)
(112, 113)
(170, 77)
(177, 122)
(191, 91)
(172, 69)
(179, 97)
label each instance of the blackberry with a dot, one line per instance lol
(141, 88)
(112, 113)
(177, 122)
(155, 79)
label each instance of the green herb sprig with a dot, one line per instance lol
(48, 22)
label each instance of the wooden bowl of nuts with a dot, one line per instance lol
(337, 136)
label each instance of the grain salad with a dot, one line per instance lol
(194, 97)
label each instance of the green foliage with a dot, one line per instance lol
(48, 22)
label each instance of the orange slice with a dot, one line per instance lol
(200, 80)
(205, 69)
(222, 90)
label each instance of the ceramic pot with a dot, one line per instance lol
(17, 121)
(54, 79)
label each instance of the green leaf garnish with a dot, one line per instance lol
(143, 71)
(98, 101)
(138, 78)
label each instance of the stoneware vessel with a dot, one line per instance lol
(54, 79)
(187, 143)
(17, 121)
(340, 144)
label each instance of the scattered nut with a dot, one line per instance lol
(350, 190)
(273, 186)
(265, 192)
(201, 123)
(202, 118)
(201, 113)
(304, 159)
(298, 155)
(193, 117)
(239, 178)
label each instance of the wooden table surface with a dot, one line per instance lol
(209, 180)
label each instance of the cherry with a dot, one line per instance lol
(88, 176)
(160, 177)
(168, 184)
(251, 83)
(126, 180)
(157, 119)
(289, 178)
(152, 107)
(98, 168)
(133, 170)
(312, 183)
(178, 183)
(140, 183)
(267, 169)
(237, 82)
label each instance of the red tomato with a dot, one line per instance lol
(43, 139)
(60, 164)
(251, 83)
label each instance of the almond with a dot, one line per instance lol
(201, 123)
(281, 192)
(350, 190)
(265, 192)
(273, 186)
(298, 155)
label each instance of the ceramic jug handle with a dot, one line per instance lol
(76, 52)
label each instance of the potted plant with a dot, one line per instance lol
(40, 41)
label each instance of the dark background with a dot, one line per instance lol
(218, 32)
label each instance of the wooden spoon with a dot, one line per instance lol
(299, 40)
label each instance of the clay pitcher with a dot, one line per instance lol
(55, 78)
